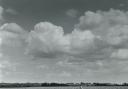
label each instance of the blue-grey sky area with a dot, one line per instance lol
(30, 12)
(64, 41)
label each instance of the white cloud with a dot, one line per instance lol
(12, 27)
(95, 39)
(12, 37)
(99, 37)
(111, 27)
(11, 34)
(94, 36)
(120, 54)
(102, 19)
(48, 40)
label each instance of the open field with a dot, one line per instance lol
(90, 87)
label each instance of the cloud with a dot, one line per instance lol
(98, 39)
(97, 44)
(102, 19)
(11, 34)
(95, 37)
(12, 27)
(110, 27)
(3, 66)
(72, 13)
(47, 40)
(120, 54)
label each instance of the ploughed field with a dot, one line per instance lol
(89, 87)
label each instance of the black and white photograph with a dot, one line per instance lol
(64, 44)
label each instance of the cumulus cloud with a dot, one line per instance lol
(11, 34)
(47, 40)
(102, 19)
(110, 27)
(97, 45)
(96, 37)
(99, 36)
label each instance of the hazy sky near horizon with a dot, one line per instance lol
(63, 40)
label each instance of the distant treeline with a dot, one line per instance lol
(9, 85)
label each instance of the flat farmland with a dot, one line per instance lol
(89, 87)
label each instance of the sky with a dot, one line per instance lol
(64, 41)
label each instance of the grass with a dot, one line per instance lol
(89, 87)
